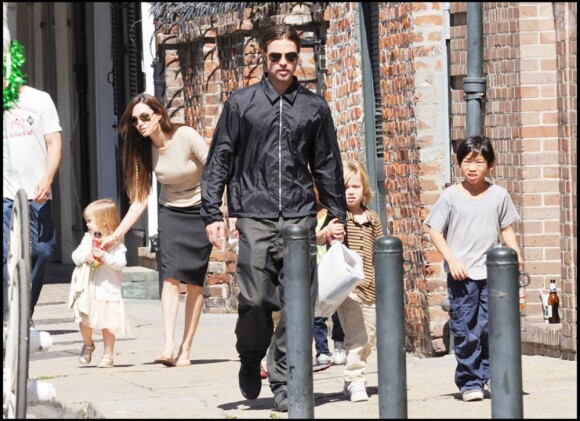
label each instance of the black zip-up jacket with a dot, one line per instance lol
(270, 149)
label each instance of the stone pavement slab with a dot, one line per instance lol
(137, 388)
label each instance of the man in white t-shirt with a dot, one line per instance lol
(32, 151)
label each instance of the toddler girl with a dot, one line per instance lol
(95, 296)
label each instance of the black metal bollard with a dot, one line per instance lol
(505, 354)
(299, 320)
(391, 328)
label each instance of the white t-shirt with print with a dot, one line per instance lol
(24, 147)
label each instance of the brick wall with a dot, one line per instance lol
(404, 79)
(344, 94)
(566, 70)
(410, 69)
(529, 113)
(207, 61)
(537, 144)
(426, 158)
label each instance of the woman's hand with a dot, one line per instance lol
(216, 233)
(109, 242)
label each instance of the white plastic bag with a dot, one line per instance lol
(339, 272)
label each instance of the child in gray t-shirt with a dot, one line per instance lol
(464, 225)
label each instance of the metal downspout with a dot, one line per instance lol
(153, 67)
(374, 160)
(474, 83)
(445, 48)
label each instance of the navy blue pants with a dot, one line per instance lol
(469, 326)
(321, 333)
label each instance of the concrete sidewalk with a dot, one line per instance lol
(137, 388)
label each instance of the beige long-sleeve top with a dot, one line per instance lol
(179, 166)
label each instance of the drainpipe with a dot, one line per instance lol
(154, 71)
(445, 47)
(474, 83)
(159, 75)
(374, 153)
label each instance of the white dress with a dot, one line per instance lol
(106, 308)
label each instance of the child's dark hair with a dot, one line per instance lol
(477, 145)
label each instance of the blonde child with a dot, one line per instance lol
(357, 312)
(96, 295)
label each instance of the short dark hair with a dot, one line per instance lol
(478, 145)
(281, 31)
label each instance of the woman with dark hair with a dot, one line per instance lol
(176, 153)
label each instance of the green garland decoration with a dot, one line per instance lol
(16, 78)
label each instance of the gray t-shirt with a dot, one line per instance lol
(471, 226)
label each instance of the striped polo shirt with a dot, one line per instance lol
(361, 239)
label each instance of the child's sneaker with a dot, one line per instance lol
(357, 391)
(472, 395)
(339, 353)
(322, 362)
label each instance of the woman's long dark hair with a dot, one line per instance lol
(137, 161)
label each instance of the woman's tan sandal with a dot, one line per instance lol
(182, 362)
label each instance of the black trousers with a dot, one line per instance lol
(260, 276)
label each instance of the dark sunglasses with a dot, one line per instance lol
(276, 57)
(144, 117)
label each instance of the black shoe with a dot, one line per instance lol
(281, 401)
(250, 381)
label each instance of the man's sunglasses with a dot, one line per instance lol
(144, 117)
(276, 57)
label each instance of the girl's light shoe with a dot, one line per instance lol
(357, 391)
(106, 362)
(86, 354)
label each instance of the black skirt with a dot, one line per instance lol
(183, 244)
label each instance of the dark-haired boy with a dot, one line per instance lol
(464, 225)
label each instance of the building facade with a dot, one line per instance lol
(393, 75)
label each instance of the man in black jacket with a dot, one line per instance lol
(274, 140)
